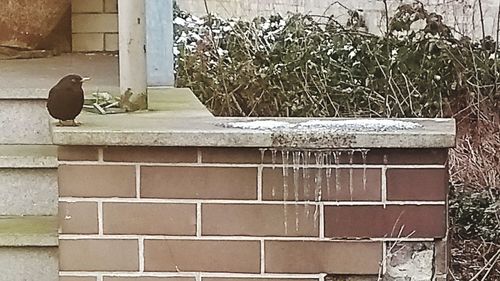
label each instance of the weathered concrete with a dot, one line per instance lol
(28, 231)
(410, 261)
(28, 192)
(29, 264)
(24, 122)
(169, 128)
(28, 156)
(176, 100)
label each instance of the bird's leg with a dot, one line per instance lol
(75, 123)
(60, 123)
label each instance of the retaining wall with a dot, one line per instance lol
(174, 194)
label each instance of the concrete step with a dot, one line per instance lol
(28, 213)
(28, 188)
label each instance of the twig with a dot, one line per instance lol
(481, 15)
(386, 9)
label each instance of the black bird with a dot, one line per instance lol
(66, 99)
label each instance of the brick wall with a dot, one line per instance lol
(95, 22)
(94, 25)
(214, 214)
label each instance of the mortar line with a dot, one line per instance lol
(383, 188)
(141, 253)
(262, 257)
(321, 220)
(197, 276)
(187, 274)
(245, 202)
(138, 181)
(241, 165)
(198, 219)
(99, 277)
(233, 238)
(100, 217)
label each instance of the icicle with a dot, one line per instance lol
(284, 157)
(336, 155)
(351, 156)
(273, 162)
(364, 153)
(318, 182)
(328, 174)
(296, 164)
(262, 152)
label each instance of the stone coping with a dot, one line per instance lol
(172, 128)
(178, 118)
(28, 156)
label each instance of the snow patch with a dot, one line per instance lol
(356, 125)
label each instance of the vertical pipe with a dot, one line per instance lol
(132, 37)
(159, 43)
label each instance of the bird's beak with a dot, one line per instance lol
(84, 79)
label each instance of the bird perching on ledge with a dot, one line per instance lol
(66, 99)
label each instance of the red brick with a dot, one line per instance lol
(202, 255)
(425, 221)
(258, 220)
(77, 153)
(321, 257)
(149, 279)
(417, 184)
(332, 188)
(149, 218)
(199, 182)
(78, 217)
(151, 154)
(75, 278)
(96, 181)
(98, 255)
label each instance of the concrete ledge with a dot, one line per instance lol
(180, 100)
(164, 128)
(28, 231)
(28, 156)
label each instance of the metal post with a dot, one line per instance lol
(159, 43)
(132, 36)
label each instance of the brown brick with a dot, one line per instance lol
(87, 6)
(417, 184)
(411, 156)
(94, 23)
(199, 182)
(150, 154)
(87, 42)
(376, 221)
(319, 257)
(98, 255)
(231, 155)
(78, 217)
(148, 278)
(111, 42)
(332, 188)
(149, 218)
(111, 6)
(96, 181)
(254, 279)
(75, 153)
(258, 220)
(202, 255)
(75, 278)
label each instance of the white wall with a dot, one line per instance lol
(458, 13)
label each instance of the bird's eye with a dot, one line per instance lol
(73, 80)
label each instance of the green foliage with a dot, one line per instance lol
(475, 214)
(301, 66)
